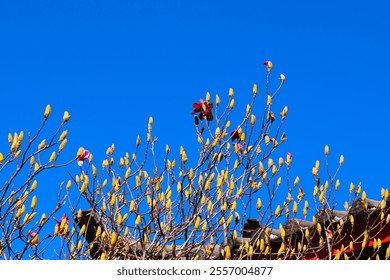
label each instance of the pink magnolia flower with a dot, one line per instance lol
(31, 233)
(204, 109)
(81, 158)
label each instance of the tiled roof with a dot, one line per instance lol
(370, 216)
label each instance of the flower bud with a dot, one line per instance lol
(47, 111)
(66, 117)
(231, 92)
(217, 100)
(253, 120)
(207, 97)
(341, 161)
(254, 89)
(326, 150)
(231, 105)
(269, 100)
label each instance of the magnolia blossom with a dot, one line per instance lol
(31, 233)
(82, 157)
(204, 108)
(236, 135)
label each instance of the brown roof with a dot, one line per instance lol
(369, 218)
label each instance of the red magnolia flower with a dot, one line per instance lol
(204, 108)
(81, 158)
(236, 135)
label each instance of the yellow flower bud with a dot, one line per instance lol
(138, 220)
(204, 227)
(207, 97)
(47, 111)
(41, 145)
(66, 117)
(295, 207)
(282, 78)
(351, 187)
(217, 100)
(42, 220)
(321, 198)
(254, 89)
(197, 223)
(62, 145)
(296, 181)
(209, 206)
(52, 157)
(283, 114)
(63, 135)
(79, 151)
(231, 92)
(351, 219)
(270, 163)
(231, 105)
(364, 196)
(114, 239)
(281, 249)
(33, 203)
(258, 204)
(227, 252)
(234, 206)
(341, 161)
(337, 184)
(34, 240)
(250, 252)
(269, 100)
(277, 211)
(253, 120)
(82, 230)
(326, 150)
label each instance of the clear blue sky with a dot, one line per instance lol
(112, 64)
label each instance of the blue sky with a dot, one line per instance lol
(112, 64)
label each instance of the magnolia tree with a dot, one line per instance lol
(147, 206)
